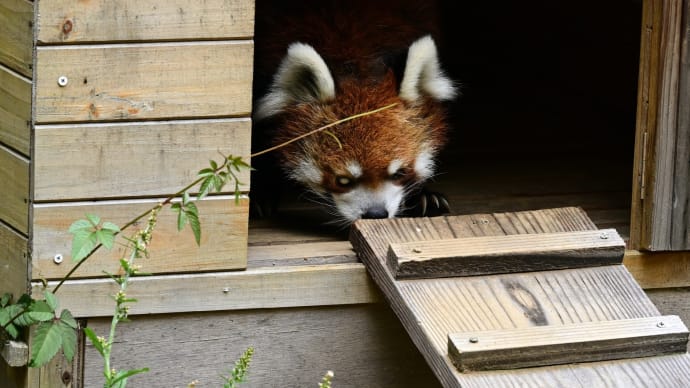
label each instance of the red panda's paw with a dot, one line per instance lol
(426, 203)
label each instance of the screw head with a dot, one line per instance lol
(226, 290)
(660, 324)
(57, 259)
(604, 236)
(474, 340)
(416, 250)
(62, 81)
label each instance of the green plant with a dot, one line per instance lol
(238, 374)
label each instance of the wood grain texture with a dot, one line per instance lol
(16, 29)
(257, 288)
(659, 144)
(505, 254)
(144, 81)
(132, 159)
(672, 301)
(364, 345)
(565, 344)
(15, 353)
(15, 110)
(14, 193)
(498, 302)
(64, 21)
(14, 262)
(223, 237)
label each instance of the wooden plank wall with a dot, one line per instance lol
(660, 208)
(131, 99)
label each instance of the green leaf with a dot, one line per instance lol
(91, 335)
(214, 165)
(193, 215)
(111, 227)
(185, 198)
(46, 342)
(80, 225)
(5, 299)
(5, 316)
(82, 244)
(67, 318)
(51, 300)
(69, 338)
(125, 374)
(181, 219)
(105, 237)
(93, 219)
(205, 186)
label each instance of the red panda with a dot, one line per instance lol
(330, 60)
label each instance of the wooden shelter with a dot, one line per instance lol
(108, 106)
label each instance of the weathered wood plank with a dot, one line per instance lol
(14, 193)
(14, 262)
(505, 254)
(132, 159)
(16, 29)
(15, 353)
(364, 345)
(653, 219)
(132, 20)
(257, 288)
(659, 269)
(144, 81)
(15, 110)
(223, 238)
(498, 302)
(565, 344)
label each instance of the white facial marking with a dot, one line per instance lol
(307, 173)
(355, 203)
(424, 163)
(394, 166)
(354, 169)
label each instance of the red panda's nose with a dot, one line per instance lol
(375, 212)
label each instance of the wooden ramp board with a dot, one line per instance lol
(430, 309)
(505, 254)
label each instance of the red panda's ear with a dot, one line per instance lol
(303, 76)
(423, 75)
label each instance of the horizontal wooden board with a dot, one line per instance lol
(144, 81)
(257, 288)
(150, 20)
(363, 345)
(14, 192)
(565, 344)
(132, 159)
(15, 110)
(223, 238)
(16, 29)
(505, 254)
(14, 266)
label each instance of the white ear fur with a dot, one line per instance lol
(423, 74)
(303, 76)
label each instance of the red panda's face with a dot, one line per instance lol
(363, 167)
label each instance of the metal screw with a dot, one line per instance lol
(604, 236)
(226, 290)
(57, 259)
(416, 250)
(63, 81)
(474, 340)
(660, 324)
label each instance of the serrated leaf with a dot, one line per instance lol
(105, 237)
(68, 319)
(80, 225)
(176, 206)
(185, 198)
(205, 186)
(91, 335)
(46, 342)
(69, 338)
(214, 165)
(5, 317)
(94, 219)
(218, 183)
(5, 299)
(82, 244)
(193, 215)
(25, 300)
(51, 300)
(206, 172)
(181, 220)
(111, 227)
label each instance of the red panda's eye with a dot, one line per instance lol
(399, 174)
(344, 181)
